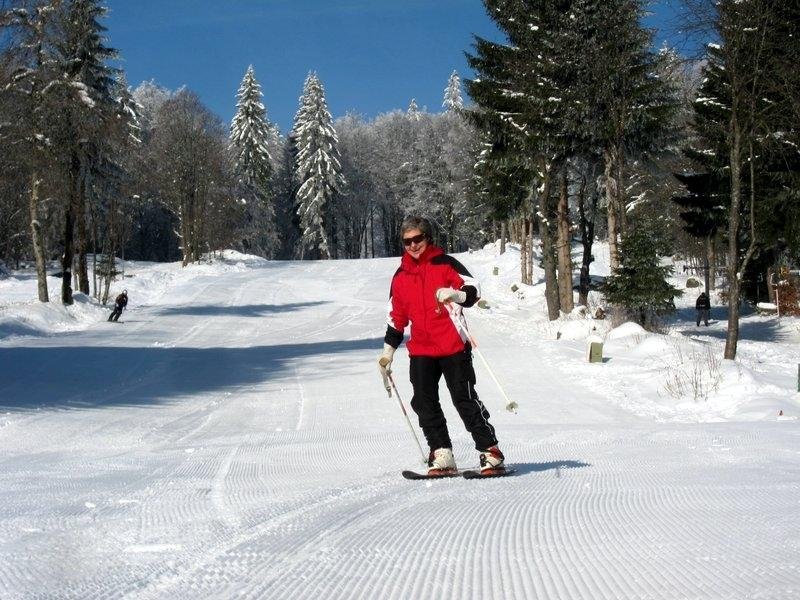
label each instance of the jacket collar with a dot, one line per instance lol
(410, 264)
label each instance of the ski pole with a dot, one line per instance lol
(511, 406)
(405, 414)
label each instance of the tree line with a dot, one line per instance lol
(579, 129)
(584, 118)
(94, 169)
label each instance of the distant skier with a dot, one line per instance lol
(119, 305)
(703, 306)
(426, 280)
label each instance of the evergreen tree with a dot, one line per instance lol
(626, 105)
(744, 126)
(87, 93)
(413, 110)
(251, 138)
(704, 212)
(452, 94)
(521, 106)
(639, 286)
(317, 169)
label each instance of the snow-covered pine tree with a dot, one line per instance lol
(639, 285)
(413, 110)
(317, 169)
(745, 75)
(520, 105)
(251, 137)
(459, 151)
(452, 94)
(630, 104)
(86, 88)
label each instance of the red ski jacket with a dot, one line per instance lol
(413, 299)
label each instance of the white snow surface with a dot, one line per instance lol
(232, 439)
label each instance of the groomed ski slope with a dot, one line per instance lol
(232, 439)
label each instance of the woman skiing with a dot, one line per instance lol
(429, 290)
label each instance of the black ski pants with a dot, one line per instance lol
(115, 314)
(426, 371)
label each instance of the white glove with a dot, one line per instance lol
(444, 295)
(385, 366)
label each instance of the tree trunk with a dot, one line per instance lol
(80, 216)
(524, 251)
(622, 209)
(732, 337)
(503, 235)
(37, 237)
(184, 218)
(531, 234)
(711, 253)
(609, 158)
(548, 254)
(69, 231)
(587, 240)
(563, 245)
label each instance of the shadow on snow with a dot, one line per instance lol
(763, 330)
(555, 465)
(248, 310)
(91, 376)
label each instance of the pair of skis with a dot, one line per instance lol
(468, 474)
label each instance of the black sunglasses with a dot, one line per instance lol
(414, 240)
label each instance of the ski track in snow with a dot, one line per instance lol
(244, 447)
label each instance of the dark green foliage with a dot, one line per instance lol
(639, 286)
(704, 204)
(760, 43)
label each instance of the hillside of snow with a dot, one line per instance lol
(232, 438)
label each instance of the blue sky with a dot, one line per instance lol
(371, 55)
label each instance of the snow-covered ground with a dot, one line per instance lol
(232, 439)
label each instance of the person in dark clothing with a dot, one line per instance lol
(119, 305)
(429, 290)
(703, 306)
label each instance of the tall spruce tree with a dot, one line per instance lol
(317, 169)
(87, 93)
(251, 136)
(521, 101)
(739, 77)
(703, 212)
(628, 105)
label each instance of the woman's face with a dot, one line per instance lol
(415, 242)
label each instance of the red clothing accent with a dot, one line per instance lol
(413, 299)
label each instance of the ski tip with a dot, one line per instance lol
(488, 474)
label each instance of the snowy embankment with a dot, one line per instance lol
(678, 375)
(232, 439)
